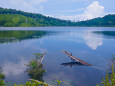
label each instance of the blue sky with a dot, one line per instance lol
(64, 9)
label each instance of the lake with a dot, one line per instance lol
(94, 45)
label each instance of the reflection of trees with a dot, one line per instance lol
(106, 34)
(14, 36)
(36, 70)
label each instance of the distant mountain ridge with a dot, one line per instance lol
(15, 18)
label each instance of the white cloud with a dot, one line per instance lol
(92, 11)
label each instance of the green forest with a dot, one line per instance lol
(17, 18)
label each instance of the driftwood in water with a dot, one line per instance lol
(41, 59)
(76, 59)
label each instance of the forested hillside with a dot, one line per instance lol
(108, 20)
(11, 17)
(14, 18)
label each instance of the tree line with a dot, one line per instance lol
(17, 18)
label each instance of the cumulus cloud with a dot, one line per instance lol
(24, 5)
(92, 11)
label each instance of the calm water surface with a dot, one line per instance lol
(93, 45)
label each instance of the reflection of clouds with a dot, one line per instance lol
(51, 78)
(37, 44)
(75, 36)
(93, 40)
(15, 68)
(33, 44)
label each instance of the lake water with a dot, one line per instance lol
(95, 45)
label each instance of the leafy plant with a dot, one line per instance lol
(58, 82)
(2, 77)
(38, 55)
(109, 78)
(32, 83)
(35, 69)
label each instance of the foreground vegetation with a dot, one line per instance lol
(109, 79)
(36, 70)
(14, 18)
(2, 77)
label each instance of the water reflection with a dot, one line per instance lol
(106, 34)
(81, 42)
(72, 64)
(15, 72)
(17, 36)
(93, 40)
(14, 69)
